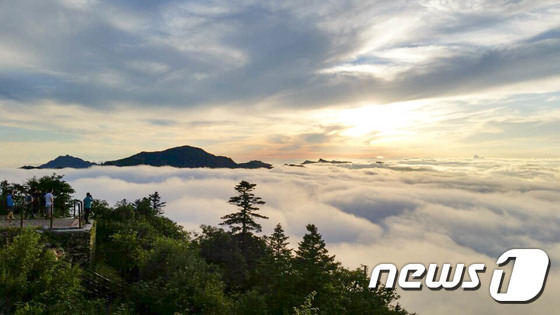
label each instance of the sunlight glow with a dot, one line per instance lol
(385, 120)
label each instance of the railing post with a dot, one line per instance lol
(21, 217)
(51, 208)
(78, 204)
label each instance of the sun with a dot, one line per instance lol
(383, 120)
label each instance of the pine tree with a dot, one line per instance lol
(312, 255)
(156, 203)
(243, 221)
(277, 275)
(315, 267)
(278, 245)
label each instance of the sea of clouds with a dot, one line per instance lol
(401, 211)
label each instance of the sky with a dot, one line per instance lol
(402, 211)
(279, 80)
(422, 85)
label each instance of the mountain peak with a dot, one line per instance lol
(184, 157)
(64, 161)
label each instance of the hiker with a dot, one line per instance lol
(87, 206)
(36, 202)
(29, 205)
(49, 204)
(11, 205)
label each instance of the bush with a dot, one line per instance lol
(33, 280)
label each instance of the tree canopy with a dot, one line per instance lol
(243, 221)
(166, 270)
(55, 182)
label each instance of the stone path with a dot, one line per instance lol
(39, 222)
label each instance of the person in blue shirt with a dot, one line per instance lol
(11, 205)
(87, 206)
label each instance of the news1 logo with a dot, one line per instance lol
(526, 283)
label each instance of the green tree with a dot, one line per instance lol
(61, 190)
(277, 242)
(238, 256)
(175, 279)
(251, 302)
(126, 248)
(250, 247)
(126, 232)
(246, 202)
(355, 297)
(34, 281)
(156, 203)
(276, 273)
(100, 208)
(315, 267)
(307, 307)
(220, 248)
(18, 190)
(5, 187)
(312, 257)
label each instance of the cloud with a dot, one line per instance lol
(401, 211)
(191, 54)
(250, 71)
(281, 80)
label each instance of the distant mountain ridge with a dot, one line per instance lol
(320, 161)
(325, 161)
(184, 157)
(180, 157)
(63, 161)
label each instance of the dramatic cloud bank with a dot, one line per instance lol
(279, 79)
(401, 211)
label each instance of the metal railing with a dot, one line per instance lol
(79, 204)
(98, 286)
(24, 210)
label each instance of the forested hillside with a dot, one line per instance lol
(159, 268)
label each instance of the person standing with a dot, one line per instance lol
(11, 205)
(29, 205)
(49, 204)
(36, 202)
(87, 206)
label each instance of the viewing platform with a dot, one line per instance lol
(69, 223)
(58, 223)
